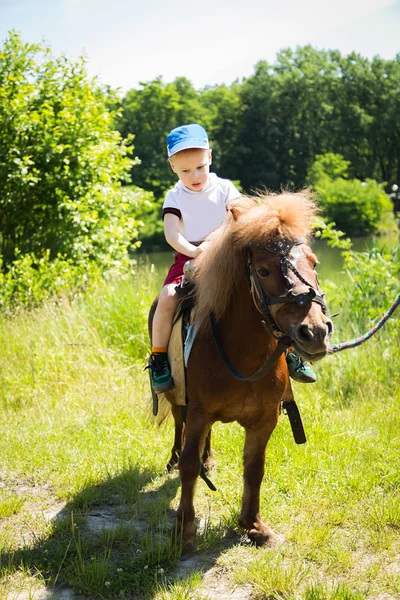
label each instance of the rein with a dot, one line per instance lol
(283, 344)
(263, 303)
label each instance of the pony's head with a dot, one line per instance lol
(264, 242)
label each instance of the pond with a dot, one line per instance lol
(331, 261)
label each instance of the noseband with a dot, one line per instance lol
(263, 303)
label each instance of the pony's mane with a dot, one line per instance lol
(250, 220)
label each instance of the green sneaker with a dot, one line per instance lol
(299, 370)
(160, 373)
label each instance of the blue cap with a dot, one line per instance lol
(185, 137)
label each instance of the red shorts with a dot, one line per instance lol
(175, 273)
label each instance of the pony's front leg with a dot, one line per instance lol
(254, 460)
(196, 431)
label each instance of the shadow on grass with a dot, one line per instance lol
(114, 541)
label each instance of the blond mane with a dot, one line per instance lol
(250, 220)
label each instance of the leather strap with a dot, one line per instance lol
(284, 343)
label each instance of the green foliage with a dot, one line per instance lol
(32, 280)
(152, 233)
(329, 166)
(356, 207)
(61, 164)
(119, 314)
(286, 110)
(266, 130)
(365, 125)
(149, 113)
(372, 284)
(224, 111)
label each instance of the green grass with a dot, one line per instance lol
(75, 433)
(10, 503)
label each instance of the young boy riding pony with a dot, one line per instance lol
(192, 209)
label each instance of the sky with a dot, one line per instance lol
(208, 41)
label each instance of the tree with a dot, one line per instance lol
(285, 114)
(224, 113)
(61, 163)
(364, 124)
(329, 166)
(149, 114)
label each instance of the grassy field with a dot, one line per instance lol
(86, 504)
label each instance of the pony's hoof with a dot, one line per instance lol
(188, 550)
(262, 539)
(259, 533)
(172, 465)
(209, 465)
(173, 462)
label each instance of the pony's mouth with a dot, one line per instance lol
(311, 357)
(313, 349)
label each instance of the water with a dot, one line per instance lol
(331, 261)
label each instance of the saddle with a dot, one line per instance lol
(181, 340)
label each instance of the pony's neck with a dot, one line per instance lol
(242, 326)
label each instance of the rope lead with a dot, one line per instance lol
(360, 340)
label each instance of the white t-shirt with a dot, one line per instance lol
(200, 212)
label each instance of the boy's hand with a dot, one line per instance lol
(200, 249)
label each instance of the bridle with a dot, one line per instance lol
(263, 303)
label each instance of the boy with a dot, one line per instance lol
(191, 211)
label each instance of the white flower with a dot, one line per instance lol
(107, 583)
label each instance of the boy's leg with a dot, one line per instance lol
(161, 378)
(299, 370)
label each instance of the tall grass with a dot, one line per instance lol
(74, 430)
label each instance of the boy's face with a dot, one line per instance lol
(192, 167)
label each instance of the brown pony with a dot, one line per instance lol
(257, 279)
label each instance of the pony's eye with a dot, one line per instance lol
(263, 272)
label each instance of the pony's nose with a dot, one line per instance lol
(305, 333)
(329, 327)
(309, 334)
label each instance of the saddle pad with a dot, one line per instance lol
(178, 355)
(175, 357)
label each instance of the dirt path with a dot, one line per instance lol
(42, 506)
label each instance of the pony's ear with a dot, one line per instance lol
(236, 212)
(240, 206)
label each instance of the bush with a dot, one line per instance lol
(32, 280)
(62, 164)
(355, 207)
(371, 283)
(151, 229)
